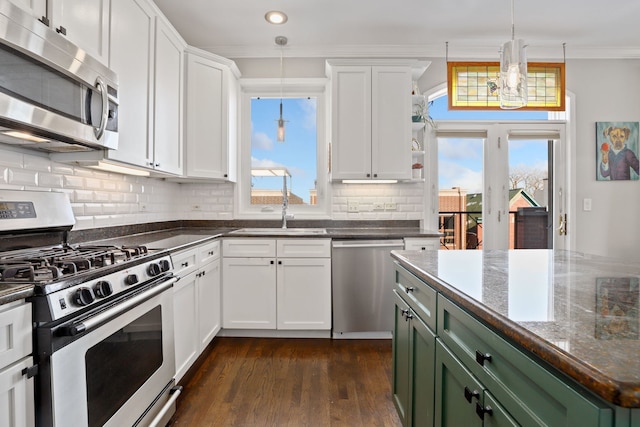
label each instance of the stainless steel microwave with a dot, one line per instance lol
(53, 95)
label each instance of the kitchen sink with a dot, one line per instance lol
(280, 231)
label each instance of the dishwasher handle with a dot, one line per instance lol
(370, 244)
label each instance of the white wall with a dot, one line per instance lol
(605, 91)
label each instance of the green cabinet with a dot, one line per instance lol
(530, 393)
(450, 369)
(461, 400)
(413, 366)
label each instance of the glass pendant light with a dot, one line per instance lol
(513, 71)
(281, 41)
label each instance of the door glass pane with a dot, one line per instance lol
(529, 189)
(460, 171)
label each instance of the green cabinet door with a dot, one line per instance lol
(401, 378)
(422, 363)
(457, 392)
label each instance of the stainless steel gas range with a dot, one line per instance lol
(103, 318)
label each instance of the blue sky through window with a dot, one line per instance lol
(298, 152)
(461, 160)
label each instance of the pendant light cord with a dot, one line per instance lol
(513, 20)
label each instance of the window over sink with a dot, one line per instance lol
(300, 160)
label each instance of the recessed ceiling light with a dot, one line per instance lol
(276, 17)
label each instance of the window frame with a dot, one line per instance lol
(288, 88)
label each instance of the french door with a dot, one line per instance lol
(502, 185)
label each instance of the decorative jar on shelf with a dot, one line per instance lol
(416, 170)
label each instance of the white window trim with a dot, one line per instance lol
(251, 88)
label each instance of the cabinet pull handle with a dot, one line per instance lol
(482, 357)
(185, 264)
(410, 289)
(469, 395)
(480, 411)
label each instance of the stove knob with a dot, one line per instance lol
(102, 289)
(154, 269)
(83, 296)
(131, 279)
(165, 265)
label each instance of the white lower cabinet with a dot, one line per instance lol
(16, 388)
(196, 301)
(287, 286)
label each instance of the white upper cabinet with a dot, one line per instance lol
(168, 106)
(211, 116)
(132, 36)
(84, 23)
(370, 119)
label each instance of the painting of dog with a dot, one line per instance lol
(617, 151)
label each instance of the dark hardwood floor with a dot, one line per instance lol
(289, 382)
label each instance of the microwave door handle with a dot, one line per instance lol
(102, 88)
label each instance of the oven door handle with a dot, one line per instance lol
(105, 316)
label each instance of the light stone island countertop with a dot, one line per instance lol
(579, 313)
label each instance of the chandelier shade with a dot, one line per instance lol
(513, 75)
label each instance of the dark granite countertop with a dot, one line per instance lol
(578, 313)
(182, 235)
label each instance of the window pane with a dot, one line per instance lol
(529, 195)
(460, 195)
(295, 157)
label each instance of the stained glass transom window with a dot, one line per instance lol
(474, 86)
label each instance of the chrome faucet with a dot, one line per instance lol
(285, 202)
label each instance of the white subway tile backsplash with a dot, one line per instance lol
(22, 177)
(12, 159)
(50, 180)
(82, 196)
(70, 181)
(37, 163)
(102, 199)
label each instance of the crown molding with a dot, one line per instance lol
(534, 52)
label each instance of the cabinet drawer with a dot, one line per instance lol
(304, 248)
(530, 393)
(421, 244)
(184, 262)
(15, 333)
(420, 296)
(248, 248)
(208, 252)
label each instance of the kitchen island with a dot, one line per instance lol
(570, 316)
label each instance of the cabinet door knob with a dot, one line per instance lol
(482, 357)
(480, 411)
(271, 262)
(469, 395)
(410, 289)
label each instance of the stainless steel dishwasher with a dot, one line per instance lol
(362, 285)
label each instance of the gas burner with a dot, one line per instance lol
(50, 264)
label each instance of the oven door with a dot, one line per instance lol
(119, 370)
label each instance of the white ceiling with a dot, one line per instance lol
(409, 28)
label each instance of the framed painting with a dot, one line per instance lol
(617, 151)
(617, 308)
